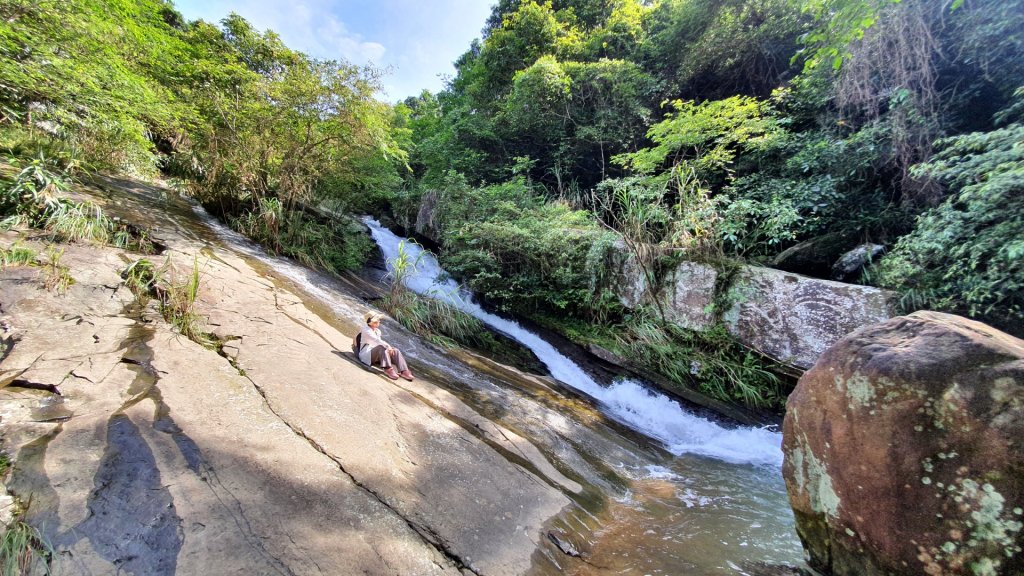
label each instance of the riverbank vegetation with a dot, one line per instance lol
(776, 132)
(255, 131)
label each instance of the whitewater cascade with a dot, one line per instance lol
(628, 401)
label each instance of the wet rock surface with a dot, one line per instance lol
(279, 457)
(903, 450)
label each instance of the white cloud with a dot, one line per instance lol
(416, 41)
(332, 37)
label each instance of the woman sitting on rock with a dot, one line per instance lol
(374, 351)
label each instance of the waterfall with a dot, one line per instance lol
(650, 413)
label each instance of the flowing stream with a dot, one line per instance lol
(733, 498)
(664, 491)
(626, 400)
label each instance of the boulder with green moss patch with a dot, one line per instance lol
(904, 451)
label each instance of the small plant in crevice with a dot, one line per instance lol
(177, 305)
(23, 549)
(57, 277)
(17, 255)
(176, 298)
(141, 278)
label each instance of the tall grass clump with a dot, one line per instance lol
(176, 298)
(435, 320)
(333, 245)
(712, 359)
(35, 191)
(23, 550)
(37, 197)
(177, 305)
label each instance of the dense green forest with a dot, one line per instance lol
(778, 132)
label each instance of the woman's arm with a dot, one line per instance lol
(372, 338)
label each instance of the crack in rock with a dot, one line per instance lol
(426, 534)
(204, 471)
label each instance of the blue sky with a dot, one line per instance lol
(416, 40)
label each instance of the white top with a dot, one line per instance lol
(370, 339)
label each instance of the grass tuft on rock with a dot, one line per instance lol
(17, 255)
(23, 550)
(176, 298)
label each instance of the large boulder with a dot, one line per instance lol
(428, 222)
(793, 318)
(689, 294)
(904, 450)
(630, 280)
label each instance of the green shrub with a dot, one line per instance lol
(522, 252)
(712, 359)
(333, 245)
(967, 254)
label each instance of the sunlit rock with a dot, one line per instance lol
(850, 264)
(793, 318)
(903, 450)
(688, 295)
(164, 456)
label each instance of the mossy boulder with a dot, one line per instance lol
(904, 450)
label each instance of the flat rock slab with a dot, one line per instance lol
(278, 456)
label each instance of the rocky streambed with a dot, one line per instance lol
(139, 451)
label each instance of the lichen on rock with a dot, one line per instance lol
(903, 454)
